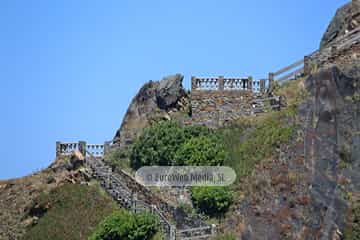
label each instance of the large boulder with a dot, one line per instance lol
(346, 18)
(156, 100)
(169, 92)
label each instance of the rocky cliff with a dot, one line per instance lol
(346, 19)
(156, 100)
(311, 188)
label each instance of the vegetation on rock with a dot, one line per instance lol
(293, 91)
(70, 212)
(201, 151)
(252, 140)
(126, 226)
(167, 143)
(213, 201)
(353, 230)
(226, 236)
(118, 159)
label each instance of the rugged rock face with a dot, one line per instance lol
(169, 92)
(155, 101)
(303, 193)
(345, 19)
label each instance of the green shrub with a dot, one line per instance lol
(126, 226)
(212, 201)
(160, 144)
(118, 159)
(187, 208)
(201, 151)
(157, 145)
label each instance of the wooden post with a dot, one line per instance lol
(271, 81)
(221, 83)
(307, 68)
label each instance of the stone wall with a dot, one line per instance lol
(215, 108)
(216, 101)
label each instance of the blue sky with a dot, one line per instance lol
(69, 69)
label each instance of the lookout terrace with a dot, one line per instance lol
(215, 101)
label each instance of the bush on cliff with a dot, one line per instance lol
(201, 151)
(126, 226)
(213, 201)
(167, 143)
(157, 145)
(118, 159)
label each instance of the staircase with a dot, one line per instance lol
(116, 186)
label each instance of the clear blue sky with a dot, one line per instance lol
(69, 69)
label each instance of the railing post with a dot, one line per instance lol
(221, 83)
(262, 85)
(193, 83)
(109, 178)
(82, 148)
(250, 81)
(307, 69)
(213, 229)
(58, 149)
(106, 147)
(271, 80)
(172, 232)
(152, 209)
(133, 202)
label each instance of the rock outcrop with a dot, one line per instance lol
(346, 19)
(17, 195)
(303, 192)
(156, 100)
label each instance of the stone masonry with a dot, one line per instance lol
(216, 101)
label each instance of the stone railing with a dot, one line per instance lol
(221, 84)
(66, 148)
(97, 150)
